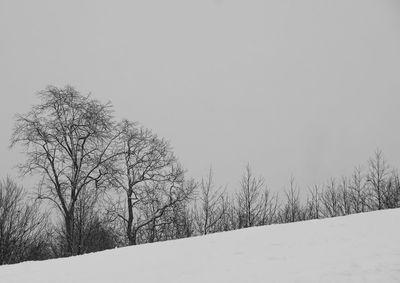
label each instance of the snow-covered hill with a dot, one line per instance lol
(356, 248)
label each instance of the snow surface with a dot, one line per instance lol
(356, 248)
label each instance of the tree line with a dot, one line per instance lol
(106, 184)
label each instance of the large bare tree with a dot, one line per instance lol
(148, 178)
(67, 138)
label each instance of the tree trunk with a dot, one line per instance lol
(69, 236)
(131, 231)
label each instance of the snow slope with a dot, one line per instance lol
(356, 248)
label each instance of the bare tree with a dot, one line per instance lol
(229, 220)
(94, 230)
(209, 210)
(344, 197)
(22, 226)
(291, 210)
(391, 194)
(249, 199)
(358, 191)
(313, 205)
(269, 208)
(330, 200)
(377, 177)
(149, 177)
(178, 222)
(67, 138)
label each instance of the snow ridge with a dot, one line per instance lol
(356, 248)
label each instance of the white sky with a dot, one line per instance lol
(309, 88)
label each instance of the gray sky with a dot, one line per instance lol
(309, 88)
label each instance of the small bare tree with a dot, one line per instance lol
(377, 177)
(209, 210)
(22, 226)
(269, 208)
(229, 220)
(178, 222)
(313, 205)
(291, 210)
(249, 199)
(344, 197)
(330, 200)
(358, 191)
(391, 195)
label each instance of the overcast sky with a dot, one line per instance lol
(309, 88)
